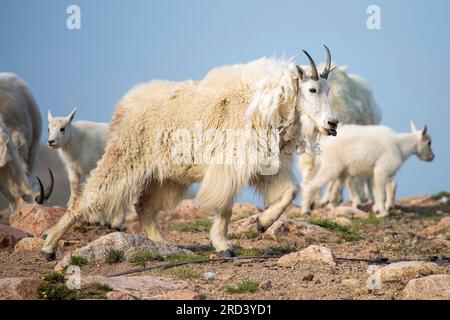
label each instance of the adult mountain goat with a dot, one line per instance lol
(20, 130)
(353, 103)
(238, 126)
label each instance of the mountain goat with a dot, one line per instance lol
(238, 126)
(352, 101)
(20, 130)
(368, 151)
(80, 146)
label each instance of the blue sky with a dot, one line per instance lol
(122, 43)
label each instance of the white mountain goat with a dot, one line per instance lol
(80, 146)
(20, 130)
(368, 151)
(353, 103)
(238, 126)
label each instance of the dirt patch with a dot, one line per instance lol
(398, 237)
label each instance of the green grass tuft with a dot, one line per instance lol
(245, 235)
(196, 226)
(145, 256)
(54, 277)
(273, 251)
(184, 258)
(371, 220)
(447, 237)
(247, 252)
(346, 232)
(55, 291)
(114, 256)
(242, 287)
(78, 261)
(80, 229)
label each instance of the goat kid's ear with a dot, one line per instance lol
(424, 130)
(49, 115)
(413, 127)
(71, 115)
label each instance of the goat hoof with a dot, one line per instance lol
(227, 253)
(49, 256)
(44, 236)
(259, 227)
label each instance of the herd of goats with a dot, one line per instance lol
(330, 120)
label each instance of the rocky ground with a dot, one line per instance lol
(339, 254)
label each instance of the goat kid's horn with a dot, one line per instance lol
(315, 74)
(40, 198)
(49, 190)
(327, 69)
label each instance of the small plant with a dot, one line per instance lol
(184, 258)
(180, 272)
(370, 220)
(347, 233)
(55, 291)
(54, 277)
(101, 286)
(145, 256)
(248, 252)
(242, 287)
(196, 226)
(78, 261)
(447, 237)
(80, 229)
(114, 256)
(53, 287)
(273, 251)
(95, 290)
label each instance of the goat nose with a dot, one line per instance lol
(333, 123)
(51, 141)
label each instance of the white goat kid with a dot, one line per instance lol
(368, 151)
(138, 161)
(80, 145)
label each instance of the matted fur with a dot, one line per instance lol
(260, 95)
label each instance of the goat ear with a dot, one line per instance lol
(301, 72)
(413, 126)
(71, 115)
(49, 115)
(424, 130)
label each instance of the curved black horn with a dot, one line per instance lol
(327, 69)
(40, 198)
(49, 190)
(315, 74)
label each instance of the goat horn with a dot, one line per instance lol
(40, 198)
(49, 190)
(315, 74)
(327, 69)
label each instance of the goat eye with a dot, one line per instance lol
(312, 90)
(62, 129)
